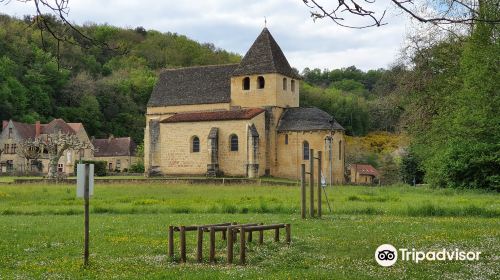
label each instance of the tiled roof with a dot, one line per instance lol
(27, 131)
(122, 146)
(265, 56)
(305, 119)
(76, 126)
(242, 114)
(365, 169)
(24, 130)
(55, 126)
(193, 85)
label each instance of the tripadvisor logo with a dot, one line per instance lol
(387, 255)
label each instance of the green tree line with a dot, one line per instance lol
(106, 88)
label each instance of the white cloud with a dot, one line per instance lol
(234, 24)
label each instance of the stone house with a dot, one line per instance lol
(363, 173)
(14, 132)
(119, 152)
(238, 120)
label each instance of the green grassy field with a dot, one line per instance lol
(41, 231)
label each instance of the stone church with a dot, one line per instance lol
(238, 120)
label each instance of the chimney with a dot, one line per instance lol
(37, 128)
(5, 124)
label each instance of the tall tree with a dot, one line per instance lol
(455, 128)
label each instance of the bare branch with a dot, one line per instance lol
(464, 12)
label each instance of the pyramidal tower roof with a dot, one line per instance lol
(264, 56)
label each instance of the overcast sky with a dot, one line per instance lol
(234, 24)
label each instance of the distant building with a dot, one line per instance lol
(119, 153)
(363, 173)
(15, 132)
(239, 120)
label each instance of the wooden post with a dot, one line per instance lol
(86, 210)
(319, 184)
(250, 236)
(182, 234)
(242, 245)
(230, 245)
(277, 235)
(171, 241)
(311, 182)
(303, 190)
(224, 237)
(212, 245)
(261, 236)
(288, 233)
(199, 252)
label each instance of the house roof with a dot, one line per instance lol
(241, 114)
(122, 146)
(265, 56)
(305, 119)
(193, 85)
(76, 126)
(55, 126)
(27, 131)
(365, 169)
(24, 130)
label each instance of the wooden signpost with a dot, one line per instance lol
(85, 188)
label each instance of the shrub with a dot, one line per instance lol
(99, 166)
(137, 167)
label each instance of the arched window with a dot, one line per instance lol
(305, 150)
(286, 139)
(234, 142)
(195, 147)
(292, 86)
(284, 83)
(246, 83)
(261, 83)
(340, 150)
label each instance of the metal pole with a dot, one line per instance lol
(311, 182)
(86, 207)
(319, 183)
(303, 190)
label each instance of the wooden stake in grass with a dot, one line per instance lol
(171, 241)
(319, 184)
(261, 235)
(182, 234)
(199, 252)
(242, 246)
(277, 235)
(311, 182)
(212, 244)
(303, 190)
(230, 245)
(288, 233)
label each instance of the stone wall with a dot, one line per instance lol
(176, 156)
(290, 156)
(272, 94)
